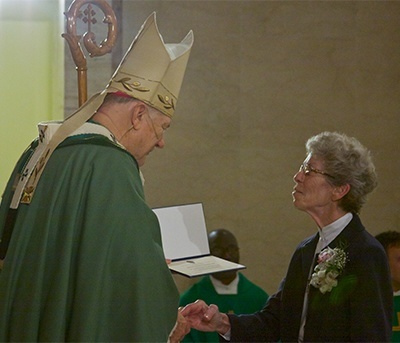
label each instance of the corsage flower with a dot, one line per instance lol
(331, 263)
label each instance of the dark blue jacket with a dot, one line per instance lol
(359, 309)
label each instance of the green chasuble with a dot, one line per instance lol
(250, 298)
(85, 261)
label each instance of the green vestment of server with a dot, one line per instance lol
(396, 318)
(249, 298)
(85, 261)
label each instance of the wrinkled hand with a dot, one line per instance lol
(205, 317)
(180, 330)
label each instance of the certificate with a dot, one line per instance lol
(185, 241)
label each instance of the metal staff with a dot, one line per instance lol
(89, 39)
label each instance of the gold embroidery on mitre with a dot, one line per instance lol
(135, 85)
(27, 195)
(168, 103)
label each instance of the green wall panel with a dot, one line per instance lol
(31, 69)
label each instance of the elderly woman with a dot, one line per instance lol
(337, 287)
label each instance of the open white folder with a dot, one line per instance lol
(185, 241)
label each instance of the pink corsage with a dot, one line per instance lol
(331, 263)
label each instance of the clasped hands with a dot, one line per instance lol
(200, 316)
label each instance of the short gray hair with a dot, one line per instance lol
(115, 98)
(349, 162)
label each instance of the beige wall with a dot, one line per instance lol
(262, 78)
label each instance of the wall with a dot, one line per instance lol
(31, 69)
(263, 77)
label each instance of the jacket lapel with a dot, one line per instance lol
(307, 254)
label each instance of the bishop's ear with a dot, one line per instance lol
(138, 111)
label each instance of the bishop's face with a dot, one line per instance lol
(148, 135)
